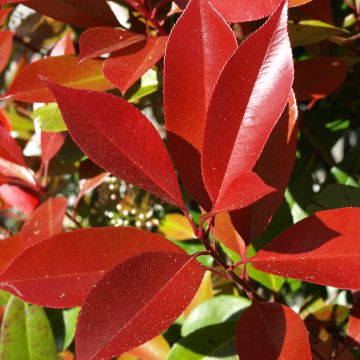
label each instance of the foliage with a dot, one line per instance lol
(179, 179)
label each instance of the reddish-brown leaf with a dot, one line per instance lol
(46, 221)
(322, 249)
(29, 87)
(69, 264)
(319, 77)
(82, 13)
(3, 14)
(51, 143)
(9, 249)
(247, 102)
(64, 46)
(6, 41)
(3, 2)
(274, 166)
(126, 66)
(18, 198)
(120, 139)
(277, 331)
(198, 48)
(101, 40)
(119, 314)
(353, 331)
(9, 149)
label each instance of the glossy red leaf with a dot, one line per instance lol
(46, 221)
(353, 331)
(277, 331)
(69, 264)
(119, 314)
(29, 87)
(101, 40)
(3, 2)
(322, 249)
(239, 122)
(247, 10)
(6, 41)
(3, 15)
(199, 46)
(274, 166)
(9, 149)
(64, 46)
(319, 77)
(82, 13)
(51, 143)
(4, 121)
(126, 66)
(120, 139)
(9, 249)
(18, 198)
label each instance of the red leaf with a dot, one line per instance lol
(17, 172)
(51, 143)
(46, 221)
(101, 40)
(18, 198)
(322, 249)
(69, 264)
(126, 66)
(4, 121)
(198, 48)
(277, 331)
(9, 149)
(64, 70)
(9, 249)
(240, 121)
(82, 13)
(119, 314)
(274, 166)
(3, 14)
(353, 331)
(3, 2)
(6, 41)
(120, 139)
(319, 77)
(64, 46)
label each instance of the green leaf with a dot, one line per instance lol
(149, 84)
(214, 311)
(176, 227)
(4, 297)
(209, 343)
(335, 196)
(50, 118)
(192, 247)
(70, 319)
(308, 32)
(26, 333)
(342, 177)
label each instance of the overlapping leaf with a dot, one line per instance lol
(199, 46)
(321, 249)
(51, 142)
(243, 112)
(136, 311)
(89, 253)
(6, 41)
(120, 139)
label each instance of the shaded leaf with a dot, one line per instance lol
(308, 250)
(9, 149)
(199, 46)
(353, 331)
(29, 87)
(89, 254)
(99, 122)
(70, 319)
(277, 331)
(98, 41)
(153, 294)
(126, 66)
(232, 145)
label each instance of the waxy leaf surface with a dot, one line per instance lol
(86, 255)
(120, 139)
(101, 40)
(6, 41)
(46, 221)
(29, 87)
(247, 102)
(82, 13)
(322, 249)
(274, 167)
(277, 331)
(126, 66)
(133, 312)
(199, 46)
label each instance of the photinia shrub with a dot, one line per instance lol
(221, 170)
